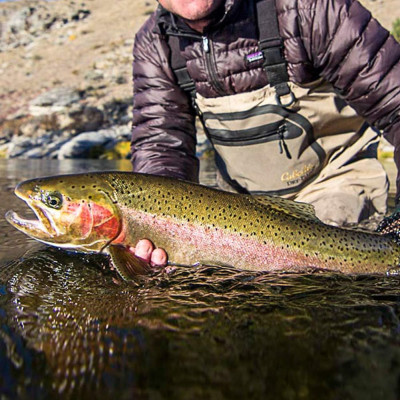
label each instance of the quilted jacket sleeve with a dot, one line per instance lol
(163, 134)
(361, 59)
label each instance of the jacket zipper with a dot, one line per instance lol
(214, 80)
(208, 51)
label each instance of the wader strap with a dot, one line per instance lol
(271, 45)
(178, 65)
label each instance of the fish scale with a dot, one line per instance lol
(296, 237)
(194, 223)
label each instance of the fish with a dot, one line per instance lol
(108, 212)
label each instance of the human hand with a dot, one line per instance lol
(146, 251)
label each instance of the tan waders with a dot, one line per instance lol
(314, 149)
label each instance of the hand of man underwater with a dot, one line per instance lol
(146, 251)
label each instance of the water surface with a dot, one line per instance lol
(69, 328)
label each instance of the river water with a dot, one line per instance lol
(69, 328)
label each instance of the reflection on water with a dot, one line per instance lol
(69, 327)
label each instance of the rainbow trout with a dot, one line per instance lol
(110, 211)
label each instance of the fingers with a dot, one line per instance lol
(159, 258)
(143, 249)
(146, 251)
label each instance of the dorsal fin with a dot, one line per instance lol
(293, 208)
(390, 226)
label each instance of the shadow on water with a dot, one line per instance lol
(70, 328)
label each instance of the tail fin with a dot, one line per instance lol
(390, 226)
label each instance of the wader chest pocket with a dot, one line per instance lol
(265, 147)
(277, 132)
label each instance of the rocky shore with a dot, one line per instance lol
(65, 75)
(61, 124)
(66, 87)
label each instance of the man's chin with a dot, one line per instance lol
(198, 25)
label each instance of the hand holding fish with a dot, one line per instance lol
(146, 251)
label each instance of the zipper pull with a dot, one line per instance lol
(206, 46)
(282, 143)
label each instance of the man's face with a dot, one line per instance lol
(192, 10)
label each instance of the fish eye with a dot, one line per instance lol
(53, 200)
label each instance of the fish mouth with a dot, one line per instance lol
(41, 228)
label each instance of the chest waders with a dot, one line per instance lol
(297, 141)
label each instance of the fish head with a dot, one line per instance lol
(73, 211)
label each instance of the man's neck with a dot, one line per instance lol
(198, 26)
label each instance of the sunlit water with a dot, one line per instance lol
(69, 328)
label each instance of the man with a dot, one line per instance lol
(298, 131)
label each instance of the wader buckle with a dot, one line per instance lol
(289, 103)
(281, 90)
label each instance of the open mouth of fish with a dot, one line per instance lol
(41, 228)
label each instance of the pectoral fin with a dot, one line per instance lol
(127, 264)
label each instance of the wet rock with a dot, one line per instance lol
(46, 146)
(19, 146)
(63, 123)
(90, 144)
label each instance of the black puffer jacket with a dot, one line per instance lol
(334, 39)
